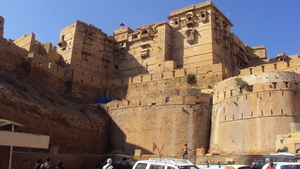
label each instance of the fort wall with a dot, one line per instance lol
(10, 54)
(47, 73)
(239, 115)
(169, 121)
(165, 84)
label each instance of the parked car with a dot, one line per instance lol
(122, 165)
(157, 163)
(283, 165)
(224, 166)
(257, 165)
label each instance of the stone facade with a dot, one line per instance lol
(163, 75)
(252, 120)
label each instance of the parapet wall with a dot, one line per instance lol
(167, 84)
(292, 65)
(203, 70)
(178, 100)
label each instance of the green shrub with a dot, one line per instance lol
(190, 78)
(243, 84)
(284, 149)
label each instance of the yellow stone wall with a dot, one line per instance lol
(146, 70)
(248, 122)
(293, 142)
(172, 121)
(292, 65)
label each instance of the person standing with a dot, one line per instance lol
(270, 166)
(108, 165)
(38, 164)
(185, 150)
(60, 165)
(46, 165)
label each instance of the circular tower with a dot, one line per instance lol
(1, 26)
(249, 115)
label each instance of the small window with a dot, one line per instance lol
(156, 167)
(167, 99)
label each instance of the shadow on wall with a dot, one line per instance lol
(117, 142)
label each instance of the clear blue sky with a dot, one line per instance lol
(272, 23)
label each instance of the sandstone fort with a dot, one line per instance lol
(186, 81)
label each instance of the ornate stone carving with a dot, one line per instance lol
(190, 36)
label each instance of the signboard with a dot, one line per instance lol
(18, 139)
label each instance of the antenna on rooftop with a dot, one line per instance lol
(122, 24)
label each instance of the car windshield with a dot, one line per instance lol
(290, 167)
(245, 167)
(188, 167)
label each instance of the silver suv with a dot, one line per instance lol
(167, 163)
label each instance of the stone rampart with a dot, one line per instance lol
(272, 102)
(169, 121)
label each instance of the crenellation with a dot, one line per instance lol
(137, 79)
(180, 72)
(202, 100)
(134, 103)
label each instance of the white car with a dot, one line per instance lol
(283, 165)
(167, 163)
(223, 166)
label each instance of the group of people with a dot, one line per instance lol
(46, 165)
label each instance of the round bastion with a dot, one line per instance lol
(249, 117)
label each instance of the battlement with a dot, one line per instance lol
(184, 101)
(207, 70)
(292, 65)
(191, 7)
(47, 65)
(260, 82)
